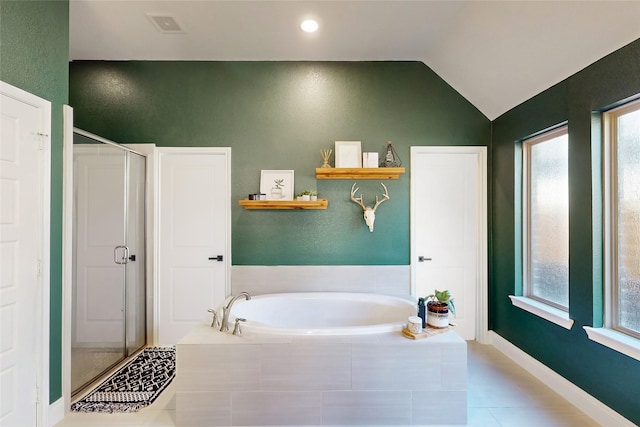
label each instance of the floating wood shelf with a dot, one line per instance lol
(359, 173)
(283, 204)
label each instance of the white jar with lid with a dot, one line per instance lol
(414, 324)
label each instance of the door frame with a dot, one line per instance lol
(67, 256)
(43, 298)
(482, 308)
(160, 152)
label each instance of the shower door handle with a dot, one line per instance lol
(121, 254)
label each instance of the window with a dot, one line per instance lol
(545, 218)
(622, 218)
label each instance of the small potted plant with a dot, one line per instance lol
(313, 194)
(439, 304)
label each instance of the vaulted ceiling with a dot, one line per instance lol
(497, 54)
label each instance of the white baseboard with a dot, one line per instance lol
(56, 412)
(582, 400)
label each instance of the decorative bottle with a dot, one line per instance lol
(421, 311)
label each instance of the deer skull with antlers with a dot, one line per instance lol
(369, 212)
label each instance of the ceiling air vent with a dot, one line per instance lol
(165, 23)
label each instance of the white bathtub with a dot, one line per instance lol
(323, 313)
(314, 378)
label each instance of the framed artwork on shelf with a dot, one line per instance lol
(370, 160)
(348, 154)
(277, 184)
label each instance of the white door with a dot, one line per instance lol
(194, 211)
(22, 236)
(100, 228)
(448, 225)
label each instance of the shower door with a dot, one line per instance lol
(109, 259)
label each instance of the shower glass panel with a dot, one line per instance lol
(135, 277)
(109, 260)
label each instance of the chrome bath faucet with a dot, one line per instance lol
(226, 310)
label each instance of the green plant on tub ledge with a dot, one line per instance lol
(439, 304)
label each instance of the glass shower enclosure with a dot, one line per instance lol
(108, 312)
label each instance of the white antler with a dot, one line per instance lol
(369, 212)
(385, 197)
(358, 200)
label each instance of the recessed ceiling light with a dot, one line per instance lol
(309, 25)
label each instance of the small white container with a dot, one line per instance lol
(414, 324)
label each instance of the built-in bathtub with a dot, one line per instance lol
(323, 313)
(320, 359)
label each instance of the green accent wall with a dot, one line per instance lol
(34, 56)
(609, 376)
(279, 115)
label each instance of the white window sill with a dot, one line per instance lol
(545, 311)
(615, 340)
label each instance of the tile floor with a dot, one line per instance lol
(501, 394)
(90, 362)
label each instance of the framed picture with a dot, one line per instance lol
(370, 159)
(348, 154)
(277, 184)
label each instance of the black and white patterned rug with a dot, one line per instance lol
(134, 386)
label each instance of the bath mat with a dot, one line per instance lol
(134, 386)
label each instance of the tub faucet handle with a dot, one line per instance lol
(236, 328)
(215, 322)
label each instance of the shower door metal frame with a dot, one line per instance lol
(125, 258)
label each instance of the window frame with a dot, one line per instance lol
(610, 218)
(527, 145)
(532, 306)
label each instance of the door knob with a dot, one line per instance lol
(423, 259)
(215, 258)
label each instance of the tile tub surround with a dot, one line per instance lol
(258, 379)
(391, 280)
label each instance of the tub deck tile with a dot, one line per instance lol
(306, 367)
(203, 408)
(396, 367)
(276, 408)
(366, 408)
(218, 368)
